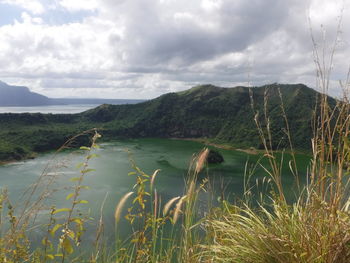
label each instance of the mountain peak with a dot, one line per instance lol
(20, 96)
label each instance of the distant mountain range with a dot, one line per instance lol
(220, 115)
(22, 96)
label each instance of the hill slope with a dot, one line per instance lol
(224, 114)
(221, 114)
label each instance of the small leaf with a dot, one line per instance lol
(80, 165)
(78, 221)
(85, 148)
(67, 246)
(87, 171)
(61, 210)
(132, 173)
(70, 233)
(69, 196)
(54, 229)
(44, 241)
(94, 155)
(49, 256)
(82, 202)
(74, 179)
(96, 146)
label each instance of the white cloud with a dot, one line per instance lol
(78, 5)
(210, 5)
(141, 49)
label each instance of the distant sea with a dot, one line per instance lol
(66, 106)
(72, 108)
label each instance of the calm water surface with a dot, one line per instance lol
(111, 179)
(73, 108)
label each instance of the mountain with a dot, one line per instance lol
(222, 115)
(20, 96)
(207, 111)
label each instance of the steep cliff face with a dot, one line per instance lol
(20, 96)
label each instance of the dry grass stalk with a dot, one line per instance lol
(178, 209)
(201, 160)
(120, 206)
(153, 177)
(169, 204)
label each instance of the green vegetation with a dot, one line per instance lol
(219, 115)
(257, 228)
(263, 227)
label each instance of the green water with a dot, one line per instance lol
(111, 178)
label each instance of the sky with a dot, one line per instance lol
(140, 49)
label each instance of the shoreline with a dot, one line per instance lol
(28, 157)
(251, 151)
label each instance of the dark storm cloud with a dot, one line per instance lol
(182, 36)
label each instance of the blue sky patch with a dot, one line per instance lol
(58, 16)
(8, 14)
(62, 16)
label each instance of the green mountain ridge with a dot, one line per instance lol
(223, 115)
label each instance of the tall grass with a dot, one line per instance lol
(162, 233)
(315, 228)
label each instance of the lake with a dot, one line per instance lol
(68, 109)
(110, 179)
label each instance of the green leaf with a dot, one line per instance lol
(70, 233)
(78, 221)
(61, 210)
(67, 245)
(132, 173)
(74, 179)
(44, 241)
(49, 256)
(94, 155)
(82, 202)
(96, 146)
(85, 148)
(54, 229)
(87, 171)
(80, 165)
(69, 196)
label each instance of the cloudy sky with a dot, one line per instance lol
(144, 48)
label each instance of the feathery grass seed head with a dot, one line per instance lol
(169, 204)
(120, 206)
(178, 209)
(201, 160)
